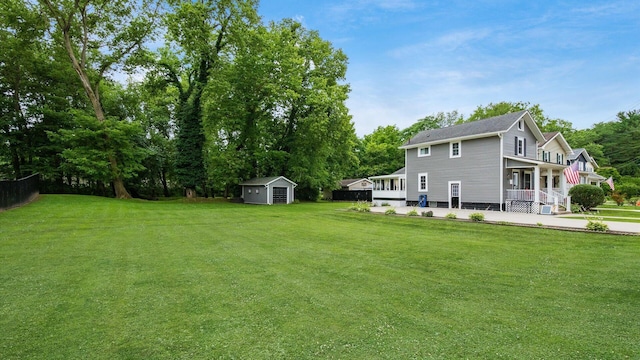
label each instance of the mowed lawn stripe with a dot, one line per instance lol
(86, 277)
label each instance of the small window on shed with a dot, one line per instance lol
(257, 191)
(249, 191)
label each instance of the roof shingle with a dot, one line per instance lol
(485, 126)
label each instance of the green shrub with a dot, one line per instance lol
(451, 216)
(587, 196)
(360, 206)
(594, 225)
(539, 224)
(427, 213)
(478, 217)
(385, 204)
(412, 212)
(576, 208)
(618, 198)
(391, 211)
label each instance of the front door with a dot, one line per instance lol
(454, 194)
(527, 180)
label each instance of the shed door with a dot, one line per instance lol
(279, 195)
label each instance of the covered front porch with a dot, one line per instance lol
(531, 185)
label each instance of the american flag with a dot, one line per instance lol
(610, 182)
(572, 174)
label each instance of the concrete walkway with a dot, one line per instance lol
(515, 218)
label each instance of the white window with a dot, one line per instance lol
(520, 146)
(521, 125)
(423, 182)
(455, 149)
(401, 184)
(257, 191)
(424, 151)
(249, 191)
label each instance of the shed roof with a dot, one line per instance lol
(265, 181)
(489, 126)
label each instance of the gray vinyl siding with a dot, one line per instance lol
(253, 198)
(478, 170)
(510, 142)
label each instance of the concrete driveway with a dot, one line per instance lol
(559, 221)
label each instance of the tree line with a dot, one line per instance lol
(224, 97)
(215, 96)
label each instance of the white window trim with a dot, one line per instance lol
(451, 156)
(459, 193)
(426, 184)
(428, 151)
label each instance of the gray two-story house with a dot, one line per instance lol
(492, 164)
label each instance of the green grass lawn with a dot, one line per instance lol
(611, 214)
(94, 278)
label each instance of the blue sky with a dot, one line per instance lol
(580, 60)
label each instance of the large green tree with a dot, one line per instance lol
(37, 90)
(199, 33)
(380, 153)
(99, 36)
(280, 109)
(430, 122)
(545, 123)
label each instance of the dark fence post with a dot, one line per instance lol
(18, 192)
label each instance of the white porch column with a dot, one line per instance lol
(536, 183)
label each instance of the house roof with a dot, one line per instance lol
(480, 128)
(349, 182)
(576, 154)
(400, 171)
(265, 181)
(550, 136)
(395, 174)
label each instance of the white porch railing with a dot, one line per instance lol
(543, 197)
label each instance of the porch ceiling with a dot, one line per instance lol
(519, 163)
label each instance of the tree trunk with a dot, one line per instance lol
(118, 183)
(163, 178)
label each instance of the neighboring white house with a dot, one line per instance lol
(390, 189)
(355, 184)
